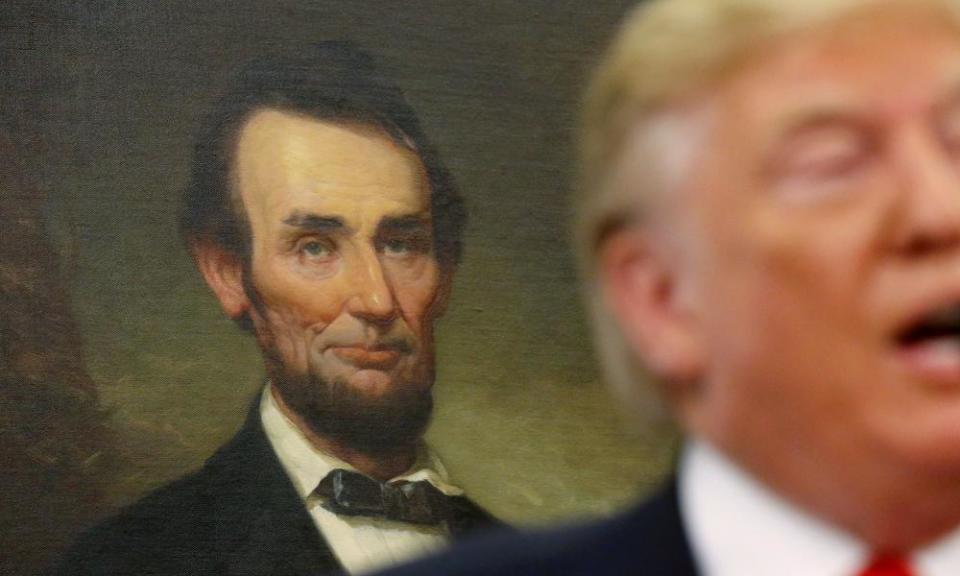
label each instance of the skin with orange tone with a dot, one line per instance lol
(818, 218)
(342, 262)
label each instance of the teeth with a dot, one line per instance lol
(937, 355)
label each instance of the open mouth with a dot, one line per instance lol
(931, 344)
(942, 324)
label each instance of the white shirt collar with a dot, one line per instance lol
(737, 526)
(306, 466)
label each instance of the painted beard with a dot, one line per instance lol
(339, 412)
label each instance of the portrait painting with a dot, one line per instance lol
(123, 367)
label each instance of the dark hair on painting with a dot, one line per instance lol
(329, 81)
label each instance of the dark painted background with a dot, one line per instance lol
(100, 100)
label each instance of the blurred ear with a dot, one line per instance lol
(223, 272)
(643, 289)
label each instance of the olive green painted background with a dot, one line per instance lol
(110, 92)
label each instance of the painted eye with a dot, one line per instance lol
(398, 247)
(405, 245)
(315, 250)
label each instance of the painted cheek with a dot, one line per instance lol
(318, 302)
(416, 293)
(303, 301)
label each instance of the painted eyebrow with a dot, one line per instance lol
(400, 224)
(314, 222)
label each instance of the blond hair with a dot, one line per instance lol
(665, 52)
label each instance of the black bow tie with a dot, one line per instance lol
(353, 494)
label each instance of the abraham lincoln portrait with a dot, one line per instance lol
(234, 237)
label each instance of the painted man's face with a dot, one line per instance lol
(345, 283)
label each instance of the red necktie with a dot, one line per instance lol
(887, 565)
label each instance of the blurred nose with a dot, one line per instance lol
(929, 208)
(372, 296)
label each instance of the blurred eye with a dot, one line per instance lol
(823, 155)
(949, 127)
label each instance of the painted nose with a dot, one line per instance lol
(930, 209)
(372, 296)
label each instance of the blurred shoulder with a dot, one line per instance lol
(647, 539)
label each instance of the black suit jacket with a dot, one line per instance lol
(237, 516)
(648, 540)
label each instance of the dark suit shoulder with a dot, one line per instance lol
(151, 536)
(646, 540)
(239, 514)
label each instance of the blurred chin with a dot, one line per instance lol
(930, 442)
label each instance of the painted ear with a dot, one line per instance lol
(644, 290)
(444, 289)
(223, 272)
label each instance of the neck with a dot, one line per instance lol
(889, 508)
(383, 465)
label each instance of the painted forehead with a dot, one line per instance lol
(290, 155)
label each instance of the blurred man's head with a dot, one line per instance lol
(323, 220)
(771, 212)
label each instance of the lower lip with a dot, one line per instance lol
(935, 361)
(365, 358)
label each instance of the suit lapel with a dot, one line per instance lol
(265, 527)
(658, 535)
